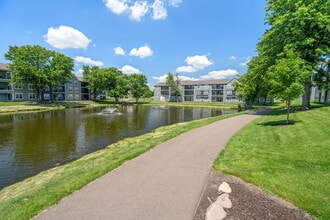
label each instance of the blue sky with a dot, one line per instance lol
(197, 39)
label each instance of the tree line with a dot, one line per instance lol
(42, 68)
(291, 55)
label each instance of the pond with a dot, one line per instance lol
(33, 142)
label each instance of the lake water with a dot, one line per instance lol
(33, 142)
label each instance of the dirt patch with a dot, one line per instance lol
(248, 201)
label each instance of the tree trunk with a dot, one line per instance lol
(288, 104)
(306, 97)
(117, 100)
(39, 96)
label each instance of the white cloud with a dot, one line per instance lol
(159, 10)
(119, 51)
(174, 3)
(65, 37)
(141, 52)
(117, 6)
(232, 58)
(220, 74)
(195, 63)
(198, 62)
(138, 10)
(163, 78)
(185, 69)
(127, 69)
(88, 61)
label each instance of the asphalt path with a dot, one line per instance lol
(166, 182)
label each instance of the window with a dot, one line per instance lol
(32, 96)
(18, 87)
(70, 89)
(18, 96)
(46, 96)
(76, 89)
(77, 97)
(30, 87)
(70, 96)
(75, 82)
(229, 92)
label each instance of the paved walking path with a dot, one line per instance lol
(165, 183)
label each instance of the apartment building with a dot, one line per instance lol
(75, 89)
(6, 90)
(199, 91)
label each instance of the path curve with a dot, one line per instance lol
(164, 183)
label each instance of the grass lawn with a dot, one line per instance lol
(29, 197)
(291, 161)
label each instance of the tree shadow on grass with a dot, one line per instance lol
(279, 123)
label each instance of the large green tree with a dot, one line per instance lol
(39, 67)
(138, 86)
(303, 25)
(121, 87)
(100, 79)
(255, 83)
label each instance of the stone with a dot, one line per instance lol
(224, 188)
(215, 212)
(224, 201)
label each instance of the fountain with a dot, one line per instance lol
(110, 111)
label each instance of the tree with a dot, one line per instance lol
(121, 87)
(255, 83)
(174, 84)
(302, 25)
(138, 86)
(39, 67)
(287, 78)
(99, 79)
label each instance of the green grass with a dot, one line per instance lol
(29, 197)
(291, 161)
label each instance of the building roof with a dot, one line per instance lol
(3, 66)
(200, 82)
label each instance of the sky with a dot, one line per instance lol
(197, 39)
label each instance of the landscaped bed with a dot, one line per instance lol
(291, 161)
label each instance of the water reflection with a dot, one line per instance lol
(30, 143)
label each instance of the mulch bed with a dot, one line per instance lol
(248, 201)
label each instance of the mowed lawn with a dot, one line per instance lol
(291, 161)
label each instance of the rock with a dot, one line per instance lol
(224, 188)
(215, 212)
(224, 201)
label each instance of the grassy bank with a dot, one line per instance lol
(27, 198)
(291, 161)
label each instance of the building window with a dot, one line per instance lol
(70, 96)
(32, 96)
(77, 97)
(18, 87)
(70, 89)
(46, 96)
(75, 82)
(18, 96)
(76, 89)
(229, 92)
(30, 87)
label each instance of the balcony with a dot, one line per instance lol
(6, 90)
